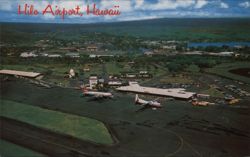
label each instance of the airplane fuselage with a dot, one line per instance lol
(153, 104)
(98, 94)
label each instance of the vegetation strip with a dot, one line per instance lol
(76, 126)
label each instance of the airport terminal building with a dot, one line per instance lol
(177, 93)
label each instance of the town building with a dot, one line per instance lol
(72, 55)
(28, 55)
(92, 48)
(93, 81)
(54, 56)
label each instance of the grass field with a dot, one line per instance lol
(213, 93)
(223, 70)
(177, 79)
(76, 126)
(114, 67)
(8, 149)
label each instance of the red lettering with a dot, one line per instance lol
(50, 10)
(28, 10)
(22, 12)
(99, 12)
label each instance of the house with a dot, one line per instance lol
(148, 53)
(92, 48)
(169, 47)
(28, 55)
(130, 75)
(86, 69)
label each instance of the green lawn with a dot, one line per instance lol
(8, 149)
(177, 79)
(114, 68)
(223, 70)
(213, 93)
(77, 126)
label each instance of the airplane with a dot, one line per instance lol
(86, 92)
(195, 102)
(147, 104)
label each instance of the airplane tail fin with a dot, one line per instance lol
(84, 89)
(136, 98)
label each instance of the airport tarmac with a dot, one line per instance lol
(178, 129)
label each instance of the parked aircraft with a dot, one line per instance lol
(97, 94)
(147, 104)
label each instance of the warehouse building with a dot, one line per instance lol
(20, 73)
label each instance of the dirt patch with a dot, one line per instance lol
(241, 71)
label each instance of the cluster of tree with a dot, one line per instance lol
(179, 63)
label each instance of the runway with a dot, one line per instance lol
(178, 129)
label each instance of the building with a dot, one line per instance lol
(72, 55)
(86, 69)
(98, 56)
(72, 73)
(114, 83)
(204, 96)
(148, 53)
(69, 48)
(93, 81)
(178, 93)
(54, 56)
(169, 47)
(28, 55)
(192, 53)
(92, 48)
(128, 75)
(144, 74)
(44, 54)
(229, 54)
(20, 73)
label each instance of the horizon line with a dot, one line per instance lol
(108, 22)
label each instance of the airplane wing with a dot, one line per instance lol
(145, 105)
(98, 96)
(143, 108)
(158, 99)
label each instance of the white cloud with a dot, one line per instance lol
(200, 3)
(134, 18)
(6, 5)
(124, 6)
(245, 4)
(69, 4)
(48, 17)
(224, 5)
(138, 3)
(169, 4)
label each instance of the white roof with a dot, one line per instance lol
(115, 83)
(171, 92)
(20, 73)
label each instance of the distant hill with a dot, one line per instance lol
(191, 29)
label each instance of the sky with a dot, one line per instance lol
(130, 10)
